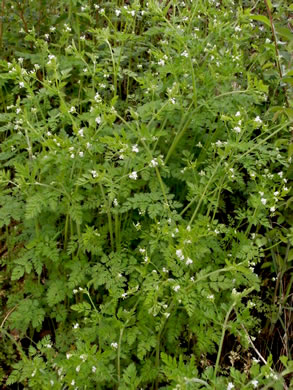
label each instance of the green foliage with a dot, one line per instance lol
(145, 205)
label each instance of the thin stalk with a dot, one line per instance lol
(222, 339)
(204, 192)
(109, 216)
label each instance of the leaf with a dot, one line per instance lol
(17, 272)
(261, 18)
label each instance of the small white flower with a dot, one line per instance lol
(21, 84)
(81, 154)
(94, 369)
(114, 345)
(188, 261)
(98, 97)
(77, 369)
(75, 326)
(280, 174)
(211, 297)
(72, 155)
(98, 120)
(52, 28)
(34, 373)
(258, 120)
(272, 209)
(237, 129)
(179, 254)
(161, 62)
(254, 383)
(51, 382)
(176, 288)
(230, 386)
(115, 202)
(172, 100)
(80, 132)
(286, 189)
(72, 382)
(167, 315)
(184, 54)
(117, 12)
(48, 346)
(263, 201)
(135, 148)
(94, 173)
(238, 113)
(154, 163)
(237, 28)
(88, 145)
(72, 110)
(133, 175)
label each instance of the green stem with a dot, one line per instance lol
(222, 339)
(109, 216)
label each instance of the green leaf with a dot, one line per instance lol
(261, 18)
(17, 272)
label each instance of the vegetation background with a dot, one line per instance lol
(146, 202)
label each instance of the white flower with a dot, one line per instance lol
(211, 297)
(237, 113)
(83, 357)
(98, 120)
(52, 28)
(154, 163)
(263, 201)
(280, 174)
(237, 28)
(72, 155)
(68, 355)
(72, 109)
(172, 100)
(98, 97)
(184, 54)
(117, 12)
(75, 326)
(133, 175)
(166, 315)
(72, 382)
(254, 383)
(188, 261)
(237, 129)
(230, 386)
(179, 254)
(34, 373)
(115, 202)
(114, 345)
(124, 295)
(94, 173)
(21, 84)
(51, 382)
(48, 346)
(176, 288)
(80, 132)
(135, 148)
(88, 145)
(161, 62)
(273, 209)
(81, 154)
(188, 228)
(77, 369)
(94, 369)
(258, 120)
